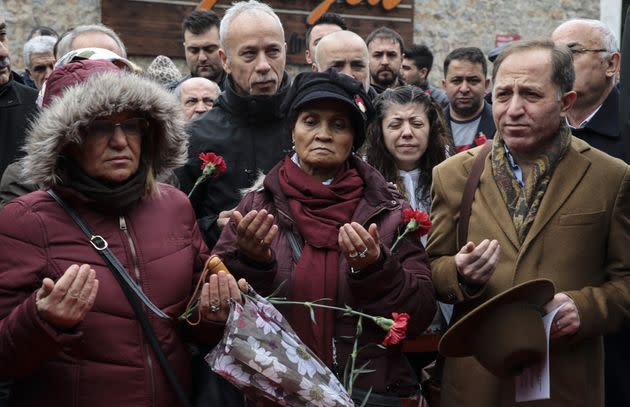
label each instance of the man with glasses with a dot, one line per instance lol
(595, 118)
(595, 114)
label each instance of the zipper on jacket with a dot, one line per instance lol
(132, 247)
(136, 269)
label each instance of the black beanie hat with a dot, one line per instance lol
(309, 87)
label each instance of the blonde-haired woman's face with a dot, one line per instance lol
(111, 147)
(406, 134)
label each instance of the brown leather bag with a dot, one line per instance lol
(431, 378)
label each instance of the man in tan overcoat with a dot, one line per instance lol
(547, 205)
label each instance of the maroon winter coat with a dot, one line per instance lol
(105, 360)
(401, 284)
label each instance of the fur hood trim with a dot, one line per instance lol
(103, 94)
(257, 186)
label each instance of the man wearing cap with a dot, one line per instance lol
(17, 104)
(246, 126)
(548, 205)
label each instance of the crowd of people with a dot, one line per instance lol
(101, 248)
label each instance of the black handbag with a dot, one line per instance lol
(134, 295)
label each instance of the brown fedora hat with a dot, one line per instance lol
(506, 333)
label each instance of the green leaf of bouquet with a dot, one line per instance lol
(366, 398)
(277, 290)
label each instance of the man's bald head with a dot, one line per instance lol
(196, 96)
(595, 58)
(347, 53)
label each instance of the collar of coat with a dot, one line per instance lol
(606, 121)
(254, 108)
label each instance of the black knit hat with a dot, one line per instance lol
(309, 87)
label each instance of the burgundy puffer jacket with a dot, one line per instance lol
(402, 283)
(105, 361)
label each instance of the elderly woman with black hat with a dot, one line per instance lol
(320, 225)
(77, 306)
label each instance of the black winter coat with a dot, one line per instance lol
(17, 109)
(251, 135)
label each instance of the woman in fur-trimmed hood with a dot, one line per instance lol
(62, 125)
(68, 335)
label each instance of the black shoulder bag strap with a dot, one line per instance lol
(465, 208)
(134, 295)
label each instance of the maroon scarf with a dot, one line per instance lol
(318, 210)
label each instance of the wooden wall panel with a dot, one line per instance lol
(153, 27)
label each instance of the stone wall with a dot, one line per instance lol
(442, 24)
(23, 15)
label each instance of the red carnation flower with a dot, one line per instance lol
(212, 165)
(414, 221)
(212, 162)
(481, 139)
(398, 330)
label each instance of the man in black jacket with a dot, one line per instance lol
(17, 105)
(246, 126)
(595, 119)
(17, 108)
(595, 114)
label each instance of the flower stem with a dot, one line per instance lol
(398, 239)
(353, 355)
(199, 181)
(317, 305)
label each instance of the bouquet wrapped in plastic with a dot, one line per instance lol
(261, 355)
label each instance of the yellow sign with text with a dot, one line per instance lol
(321, 7)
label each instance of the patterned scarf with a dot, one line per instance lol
(523, 202)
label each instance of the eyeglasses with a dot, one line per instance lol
(133, 127)
(575, 51)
